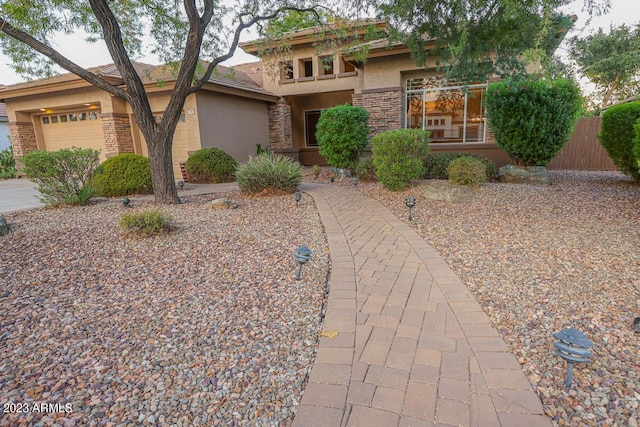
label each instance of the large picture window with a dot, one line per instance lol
(451, 112)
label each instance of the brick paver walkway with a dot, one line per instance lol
(414, 348)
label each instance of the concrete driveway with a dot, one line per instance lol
(18, 195)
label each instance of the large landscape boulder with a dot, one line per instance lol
(437, 189)
(222, 203)
(536, 175)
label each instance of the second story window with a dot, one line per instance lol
(325, 65)
(306, 67)
(286, 70)
(346, 67)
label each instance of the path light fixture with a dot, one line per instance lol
(181, 184)
(126, 202)
(635, 326)
(333, 179)
(573, 346)
(302, 256)
(355, 180)
(4, 227)
(410, 201)
(298, 196)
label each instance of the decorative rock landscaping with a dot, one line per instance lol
(205, 326)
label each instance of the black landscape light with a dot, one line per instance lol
(302, 256)
(298, 196)
(333, 179)
(573, 346)
(126, 202)
(4, 227)
(355, 181)
(410, 201)
(181, 184)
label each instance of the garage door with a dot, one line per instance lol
(82, 129)
(180, 150)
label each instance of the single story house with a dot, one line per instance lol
(230, 112)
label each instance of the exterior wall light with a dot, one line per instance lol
(298, 196)
(573, 346)
(302, 256)
(410, 201)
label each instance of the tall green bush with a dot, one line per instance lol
(617, 134)
(268, 171)
(532, 119)
(342, 133)
(636, 142)
(63, 176)
(398, 156)
(122, 175)
(209, 165)
(7, 164)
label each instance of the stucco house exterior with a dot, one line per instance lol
(4, 127)
(375, 75)
(230, 112)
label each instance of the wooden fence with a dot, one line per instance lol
(583, 151)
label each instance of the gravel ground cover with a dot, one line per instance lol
(204, 326)
(541, 259)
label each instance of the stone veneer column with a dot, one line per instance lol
(117, 134)
(385, 106)
(23, 138)
(280, 134)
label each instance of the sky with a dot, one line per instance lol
(621, 12)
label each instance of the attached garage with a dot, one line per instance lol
(82, 129)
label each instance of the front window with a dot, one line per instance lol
(311, 118)
(326, 65)
(451, 113)
(286, 70)
(306, 67)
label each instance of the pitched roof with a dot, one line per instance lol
(222, 76)
(252, 69)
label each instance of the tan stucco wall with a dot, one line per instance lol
(232, 124)
(299, 104)
(386, 72)
(319, 83)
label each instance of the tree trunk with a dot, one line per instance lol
(160, 156)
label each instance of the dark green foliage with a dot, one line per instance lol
(532, 119)
(146, 223)
(63, 176)
(617, 134)
(636, 142)
(269, 171)
(365, 169)
(436, 165)
(398, 156)
(209, 165)
(467, 170)
(343, 134)
(7, 164)
(122, 175)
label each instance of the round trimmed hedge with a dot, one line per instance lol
(210, 165)
(122, 175)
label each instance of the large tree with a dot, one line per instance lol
(473, 39)
(183, 33)
(611, 61)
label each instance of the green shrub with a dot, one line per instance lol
(532, 119)
(210, 165)
(317, 170)
(343, 133)
(636, 142)
(146, 223)
(436, 165)
(467, 170)
(398, 156)
(617, 134)
(122, 175)
(365, 169)
(7, 164)
(63, 176)
(269, 172)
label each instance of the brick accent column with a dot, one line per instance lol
(386, 108)
(117, 134)
(280, 134)
(356, 99)
(23, 138)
